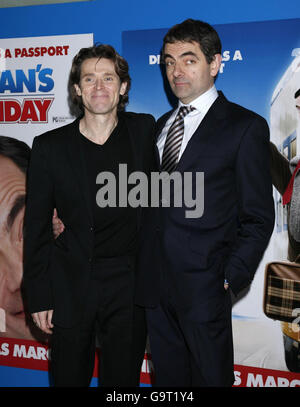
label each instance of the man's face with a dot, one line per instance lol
(12, 193)
(187, 70)
(100, 86)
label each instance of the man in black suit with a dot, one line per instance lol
(185, 263)
(81, 284)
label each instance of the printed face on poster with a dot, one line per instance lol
(33, 99)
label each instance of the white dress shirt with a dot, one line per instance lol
(191, 121)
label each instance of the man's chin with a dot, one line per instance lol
(182, 94)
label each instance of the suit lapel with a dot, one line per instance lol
(134, 143)
(133, 129)
(78, 163)
(206, 131)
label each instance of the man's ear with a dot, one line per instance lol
(77, 89)
(123, 88)
(215, 65)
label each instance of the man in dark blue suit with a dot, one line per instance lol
(187, 264)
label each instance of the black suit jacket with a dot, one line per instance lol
(56, 272)
(231, 147)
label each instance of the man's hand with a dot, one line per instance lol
(43, 320)
(57, 225)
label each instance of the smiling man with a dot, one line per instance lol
(81, 284)
(186, 265)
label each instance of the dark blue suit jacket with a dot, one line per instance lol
(231, 147)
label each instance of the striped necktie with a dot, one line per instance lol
(173, 140)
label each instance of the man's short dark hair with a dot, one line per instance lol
(196, 31)
(98, 51)
(16, 150)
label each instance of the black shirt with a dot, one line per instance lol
(115, 227)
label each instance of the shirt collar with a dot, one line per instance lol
(203, 102)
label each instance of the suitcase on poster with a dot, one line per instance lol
(282, 291)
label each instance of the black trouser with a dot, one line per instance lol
(188, 349)
(119, 326)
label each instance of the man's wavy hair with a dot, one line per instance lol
(97, 51)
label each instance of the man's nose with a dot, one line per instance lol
(178, 71)
(99, 83)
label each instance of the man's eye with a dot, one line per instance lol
(108, 78)
(169, 63)
(190, 61)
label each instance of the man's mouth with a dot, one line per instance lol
(100, 95)
(180, 83)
